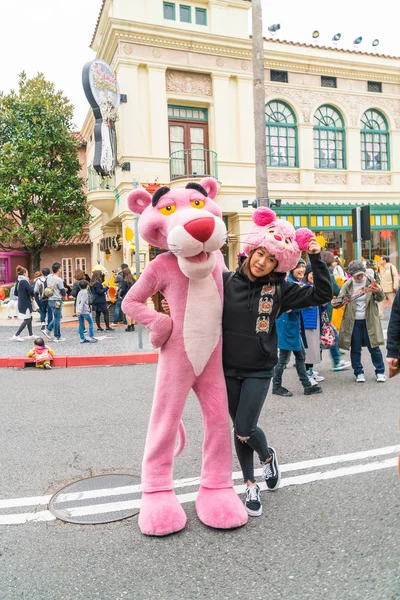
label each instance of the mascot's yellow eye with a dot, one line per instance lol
(168, 210)
(197, 203)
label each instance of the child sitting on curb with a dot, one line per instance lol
(83, 312)
(42, 354)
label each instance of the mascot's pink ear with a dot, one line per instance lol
(263, 216)
(210, 185)
(303, 237)
(138, 200)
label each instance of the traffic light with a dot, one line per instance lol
(365, 218)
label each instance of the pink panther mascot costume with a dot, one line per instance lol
(189, 224)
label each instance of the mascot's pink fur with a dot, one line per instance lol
(189, 224)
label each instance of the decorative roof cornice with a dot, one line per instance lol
(278, 55)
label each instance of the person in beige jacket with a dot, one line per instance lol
(361, 325)
(389, 281)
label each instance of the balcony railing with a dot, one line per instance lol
(196, 162)
(96, 182)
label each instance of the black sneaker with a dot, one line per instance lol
(314, 389)
(253, 501)
(281, 391)
(271, 471)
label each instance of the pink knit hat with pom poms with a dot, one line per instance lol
(278, 237)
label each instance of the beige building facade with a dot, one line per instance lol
(185, 77)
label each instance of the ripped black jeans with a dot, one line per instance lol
(246, 396)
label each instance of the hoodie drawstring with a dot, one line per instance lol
(251, 292)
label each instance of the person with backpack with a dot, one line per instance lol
(24, 292)
(55, 292)
(83, 302)
(76, 288)
(41, 299)
(291, 338)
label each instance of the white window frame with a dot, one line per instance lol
(67, 274)
(80, 263)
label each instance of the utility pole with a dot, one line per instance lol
(259, 104)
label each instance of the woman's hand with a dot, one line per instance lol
(393, 362)
(165, 306)
(313, 246)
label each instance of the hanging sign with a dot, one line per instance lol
(102, 92)
(111, 243)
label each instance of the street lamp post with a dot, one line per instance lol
(259, 105)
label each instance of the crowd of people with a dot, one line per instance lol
(47, 292)
(302, 325)
(308, 298)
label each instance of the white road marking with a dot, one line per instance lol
(45, 515)
(193, 481)
(78, 511)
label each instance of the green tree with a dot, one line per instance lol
(41, 193)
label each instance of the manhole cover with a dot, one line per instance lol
(99, 499)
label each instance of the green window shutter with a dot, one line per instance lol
(329, 139)
(281, 135)
(374, 142)
(169, 11)
(185, 13)
(201, 16)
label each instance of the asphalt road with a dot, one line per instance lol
(334, 536)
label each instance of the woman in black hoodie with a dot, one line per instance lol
(254, 296)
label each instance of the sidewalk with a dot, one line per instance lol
(117, 347)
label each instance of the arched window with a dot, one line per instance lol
(281, 135)
(374, 141)
(329, 139)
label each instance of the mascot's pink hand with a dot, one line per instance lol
(160, 330)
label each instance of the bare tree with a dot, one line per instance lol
(259, 105)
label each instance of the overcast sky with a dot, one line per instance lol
(53, 36)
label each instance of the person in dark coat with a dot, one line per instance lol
(393, 333)
(291, 338)
(254, 296)
(24, 292)
(99, 303)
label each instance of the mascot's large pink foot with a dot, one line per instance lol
(161, 513)
(220, 508)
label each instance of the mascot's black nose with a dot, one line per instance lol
(201, 229)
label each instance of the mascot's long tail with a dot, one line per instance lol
(181, 439)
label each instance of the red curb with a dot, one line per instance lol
(137, 358)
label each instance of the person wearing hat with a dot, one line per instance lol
(361, 325)
(291, 338)
(254, 297)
